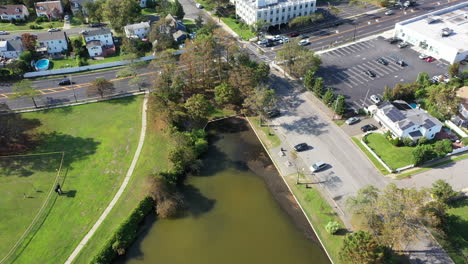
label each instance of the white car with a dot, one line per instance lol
(277, 38)
(304, 42)
(423, 56)
(284, 40)
(352, 120)
(4, 33)
(199, 6)
(374, 98)
(389, 12)
(53, 29)
(318, 166)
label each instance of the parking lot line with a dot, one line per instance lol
(343, 80)
(341, 52)
(361, 66)
(348, 50)
(347, 78)
(358, 75)
(378, 68)
(354, 48)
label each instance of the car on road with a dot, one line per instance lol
(389, 12)
(304, 36)
(65, 81)
(369, 73)
(304, 42)
(301, 147)
(423, 56)
(368, 127)
(317, 166)
(199, 6)
(402, 63)
(293, 34)
(402, 45)
(84, 31)
(393, 40)
(273, 113)
(262, 42)
(374, 98)
(338, 23)
(53, 30)
(4, 33)
(430, 59)
(352, 120)
(382, 61)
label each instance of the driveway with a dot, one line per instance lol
(355, 129)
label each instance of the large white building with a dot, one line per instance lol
(442, 34)
(274, 12)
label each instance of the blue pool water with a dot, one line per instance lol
(42, 65)
(414, 106)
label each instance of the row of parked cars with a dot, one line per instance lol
(278, 39)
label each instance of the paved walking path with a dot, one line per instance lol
(119, 193)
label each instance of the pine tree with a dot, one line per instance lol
(309, 80)
(388, 94)
(318, 87)
(328, 97)
(339, 105)
(177, 10)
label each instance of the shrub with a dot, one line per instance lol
(423, 153)
(408, 142)
(465, 141)
(443, 147)
(33, 26)
(332, 227)
(395, 141)
(422, 141)
(442, 191)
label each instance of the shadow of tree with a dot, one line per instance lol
(123, 101)
(307, 125)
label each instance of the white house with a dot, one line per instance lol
(52, 42)
(442, 34)
(77, 6)
(50, 9)
(101, 37)
(9, 12)
(140, 30)
(11, 49)
(404, 121)
(274, 12)
(94, 48)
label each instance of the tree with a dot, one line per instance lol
(339, 106)
(443, 147)
(121, 13)
(423, 153)
(139, 82)
(226, 94)
(100, 86)
(262, 72)
(328, 97)
(387, 94)
(297, 59)
(258, 27)
(161, 39)
(177, 10)
(443, 99)
(319, 89)
(362, 248)
(423, 80)
(26, 56)
(199, 21)
(454, 69)
(24, 88)
(300, 21)
(198, 107)
(442, 191)
(29, 42)
(309, 80)
(94, 10)
(332, 227)
(333, 9)
(262, 101)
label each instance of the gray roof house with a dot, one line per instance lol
(403, 121)
(11, 49)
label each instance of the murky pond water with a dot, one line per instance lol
(239, 211)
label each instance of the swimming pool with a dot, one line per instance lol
(42, 65)
(414, 106)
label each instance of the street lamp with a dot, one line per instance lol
(355, 28)
(73, 88)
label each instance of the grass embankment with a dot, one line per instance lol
(100, 140)
(241, 29)
(394, 157)
(319, 213)
(374, 161)
(455, 241)
(266, 133)
(153, 158)
(25, 26)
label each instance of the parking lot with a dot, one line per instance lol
(343, 69)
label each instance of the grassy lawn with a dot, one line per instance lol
(455, 242)
(267, 134)
(100, 140)
(207, 4)
(152, 159)
(74, 22)
(374, 161)
(148, 11)
(25, 26)
(320, 213)
(69, 62)
(394, 157)
(244, 33)
(218, 113)
(190, 24)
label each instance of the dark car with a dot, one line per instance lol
(382, 61)
(338, 23)
(368, 127)
(65, 81)
(301, 147)
(273, 113)
(293, 34)
(269, 44)
(369, 73)
(95, 24)
(402, 63)
(393, 40)
(304, 36)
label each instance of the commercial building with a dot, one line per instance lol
(9, 12)
(275, 12)
(442, 34)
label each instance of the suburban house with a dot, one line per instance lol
(9, 12)
(461, 119)
(77, 6)
(139, 30)
(50, 9)
(52, 43)
(174, 27)
(11, 49)
(403, 121)
(99, 42)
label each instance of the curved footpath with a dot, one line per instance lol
(119, 193)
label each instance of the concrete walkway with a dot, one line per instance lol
(119, 193)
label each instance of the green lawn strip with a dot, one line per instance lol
(219, 113)
(153, 158)
(371, 157)
(70, 62)
(100, 140)
(207, 4)
(455, 241)
(244, 33)
(25, 26)
(190, 24)
(450, 160)
(339, 122)
(267, 134)
(320, 213)
(24, 192)
(394, 157)
(148, 11)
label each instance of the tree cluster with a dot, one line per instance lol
(297, 59)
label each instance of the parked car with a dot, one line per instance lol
(293, 34)
(352, 120)
(199, 6)
(84, 31)
(402, 45)
(338, 23)
(95, 24)
(301, 147)
(262, 42)
(284, 40)
(53, 29)
(393, 40)
(430, 59)
(402, 63)
(304, 42)
(65, 81)
(389, 12)
(423, 56)
(368, 127)
(269, 44)
(277, 38)
(374, 98)
(273, 113)
(382, 61)
(369, 73)
(66, 17)
(4, 33)
(317, 166)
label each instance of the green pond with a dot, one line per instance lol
(239, 211)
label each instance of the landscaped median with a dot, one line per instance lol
(240, 28)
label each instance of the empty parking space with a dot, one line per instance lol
(344, 69)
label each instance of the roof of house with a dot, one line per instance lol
(404, 116)
(97, 32)
(45, 36)
(138, 26)
(14, 45)
(463, 94)
(93, 43)
(49, 5)
(178, 34)
(12, 9)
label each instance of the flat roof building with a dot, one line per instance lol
(442, 34)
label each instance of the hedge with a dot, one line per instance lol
(125, 234)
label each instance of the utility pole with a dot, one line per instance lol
(73, 88)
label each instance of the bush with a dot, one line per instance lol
(33, 26)
(422, 141)
(332, 227)
(423, 153)
(443, 147)
(41, 19)
(395, 141)
(408, 142)
(465, 141)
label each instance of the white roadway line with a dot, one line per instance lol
(119, 193)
